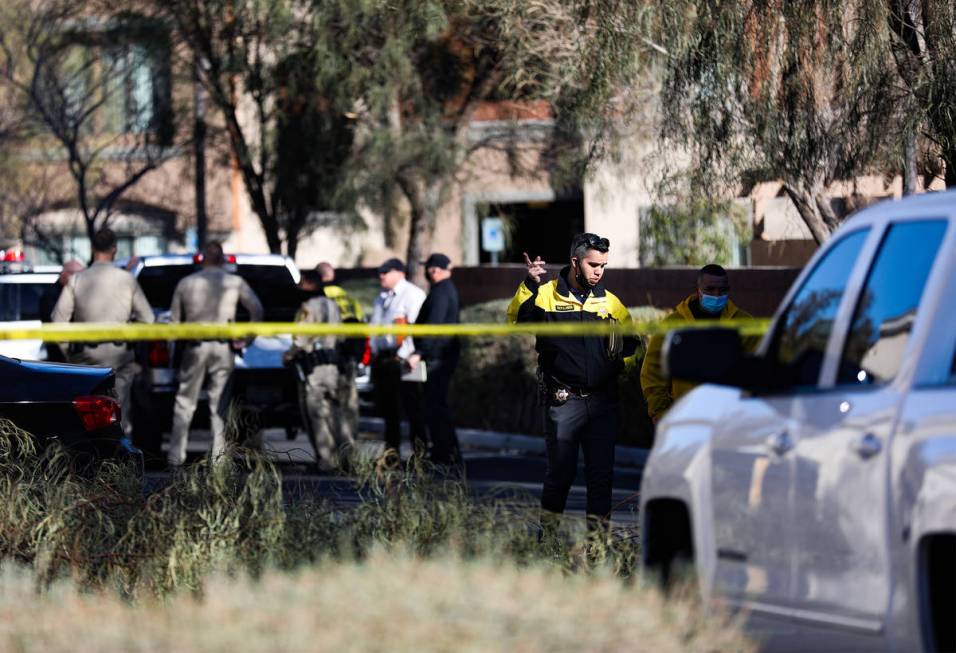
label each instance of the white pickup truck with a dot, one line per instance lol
(813, 484)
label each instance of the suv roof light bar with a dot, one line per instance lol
(197, 258)
(12, 255)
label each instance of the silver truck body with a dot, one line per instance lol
(827, 512)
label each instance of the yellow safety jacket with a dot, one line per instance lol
(659, 391)
(584, 363)
(349, 308)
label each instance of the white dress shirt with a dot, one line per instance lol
(403, 301)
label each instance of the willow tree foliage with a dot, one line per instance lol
(924, 49)
(804, 92)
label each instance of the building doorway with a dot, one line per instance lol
(540, 228)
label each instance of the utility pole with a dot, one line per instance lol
(199, 152)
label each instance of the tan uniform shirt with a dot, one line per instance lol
(320, 310)
(211, 295)
(102, 293)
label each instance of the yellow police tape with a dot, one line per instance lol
(103, 332)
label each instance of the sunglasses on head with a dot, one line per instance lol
(593, 241)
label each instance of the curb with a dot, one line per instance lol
(496, 441)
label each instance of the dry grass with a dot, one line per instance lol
(389, 602)
(217, 561)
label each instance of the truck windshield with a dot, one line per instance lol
(273, 284)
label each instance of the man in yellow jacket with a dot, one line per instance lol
(578, 374)
(710, 302)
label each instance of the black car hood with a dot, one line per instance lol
(39, 381)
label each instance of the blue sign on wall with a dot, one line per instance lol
(492, 235)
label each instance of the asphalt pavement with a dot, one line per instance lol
(490, 472)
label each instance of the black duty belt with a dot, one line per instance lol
(561, 391)
(80, 346)
(318, 357)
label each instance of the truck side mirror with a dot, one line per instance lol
(711, 355)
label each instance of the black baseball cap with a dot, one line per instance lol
(437, 260)
(391, 264)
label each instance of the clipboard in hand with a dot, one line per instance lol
(417, 375)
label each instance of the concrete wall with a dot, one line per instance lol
(757, 290)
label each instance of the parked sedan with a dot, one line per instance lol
(70, 404)
(813, 485)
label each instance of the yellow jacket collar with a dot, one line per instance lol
(563, 290)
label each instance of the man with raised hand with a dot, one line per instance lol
(210, 295)
(711, 301)
(578, 373)
(105, 293)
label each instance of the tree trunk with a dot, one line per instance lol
(424, 200)
(293, 228)
(814, 209)
(910, 175)
(949, 157)
(253, 182)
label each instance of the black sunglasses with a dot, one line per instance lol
(593, 241)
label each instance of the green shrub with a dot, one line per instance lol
(101, 530)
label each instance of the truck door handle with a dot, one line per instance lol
(780, 443)
(867, 446)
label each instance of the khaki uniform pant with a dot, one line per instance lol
(348, 404)
(121, 359)
(332, 429)
(207, 360)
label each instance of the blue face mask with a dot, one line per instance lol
(713, 303)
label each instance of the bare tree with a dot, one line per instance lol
(236, 44)
(95, 89)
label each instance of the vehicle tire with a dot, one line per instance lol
(668, 543)
(937, 577)
(147, 435)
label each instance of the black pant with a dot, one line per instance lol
(589, 423)
(440, 419)
(393, 396)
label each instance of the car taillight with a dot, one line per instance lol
(367, 354)
(97, 412)
(158, 353)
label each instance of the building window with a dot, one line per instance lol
(125, 69)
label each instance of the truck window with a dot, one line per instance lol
(886, 309)
(804, 328)
(21, 301)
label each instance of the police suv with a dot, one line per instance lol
(22, 290)
(265, 389)
(813, 484)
